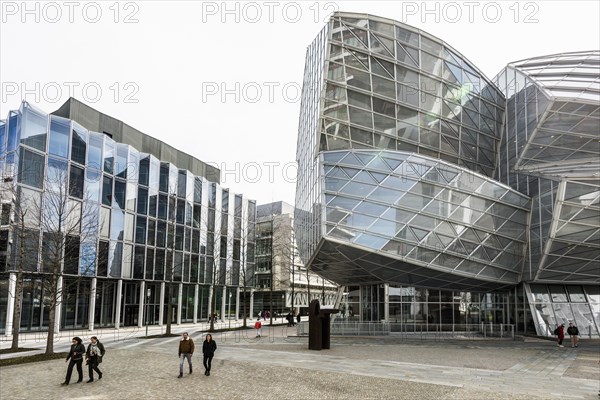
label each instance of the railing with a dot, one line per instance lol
(417, 331)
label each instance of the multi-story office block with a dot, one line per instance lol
(412, 166)
(281, 277)
(120, 218)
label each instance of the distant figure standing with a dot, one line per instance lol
(298, 318)
(76, 356)
(258, 327)
(560, 331)
(574, 333)
(93, 357)
(186, 350)
(208, 349)
(289, 319)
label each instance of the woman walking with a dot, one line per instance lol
(76, 356)
(208, 349)
(93, 357)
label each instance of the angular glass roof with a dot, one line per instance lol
(566, 75)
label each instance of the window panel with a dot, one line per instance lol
(31, 168)
(59, 136)
(78, 145)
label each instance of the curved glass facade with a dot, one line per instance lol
(415, 170)
(385, 85)
(442, 219)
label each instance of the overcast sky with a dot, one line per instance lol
(221, 80)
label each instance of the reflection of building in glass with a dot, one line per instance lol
(280, 274)
(137, 212)
(403, 193)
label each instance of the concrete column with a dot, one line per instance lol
(360, 302)
(142, 304)
(161, 310)
(58, 313)
(179, 302)
(210, 299)
(251, 312)
(118, 303)
(10, 309)
(92, 304)
(223, 301)
(196, 302)
(386, 306)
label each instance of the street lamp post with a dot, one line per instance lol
(148, 293)
(229, 310)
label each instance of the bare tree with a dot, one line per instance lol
(23, 236)
(14, 206)
(67, 224)
(246, 227)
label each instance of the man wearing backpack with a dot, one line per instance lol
(574, 333)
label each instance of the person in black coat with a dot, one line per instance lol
(93, 357)
(76, 356)
(208, 349)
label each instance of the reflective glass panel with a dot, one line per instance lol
(59, 136)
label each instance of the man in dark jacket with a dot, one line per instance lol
(574, 333)
(93, 357)
(76, 356)
(208, 349)
(186, 350)
(561, 334)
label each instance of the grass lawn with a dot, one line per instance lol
(29, 359)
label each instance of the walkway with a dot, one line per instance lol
(279, 366)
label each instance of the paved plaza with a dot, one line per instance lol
(279, 366)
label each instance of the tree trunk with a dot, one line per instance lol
(271, 300)
(19, 284)
(244, 306)
(17, 311)
(169, 308)
(211, 314)
(54, 291)
(50, 339)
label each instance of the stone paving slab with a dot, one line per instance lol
(138, 374)
(280, 367)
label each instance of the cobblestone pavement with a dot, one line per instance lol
(280, 367)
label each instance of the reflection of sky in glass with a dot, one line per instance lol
(87, 260)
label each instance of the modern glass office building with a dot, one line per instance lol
(133, 222)
(408, 195)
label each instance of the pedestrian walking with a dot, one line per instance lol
(76, 359)
(208, 349)
(93, 357)
(186, 350)
(298, 318)
(574, 333)
(258, 327)
(560, 332)
(290, 320)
